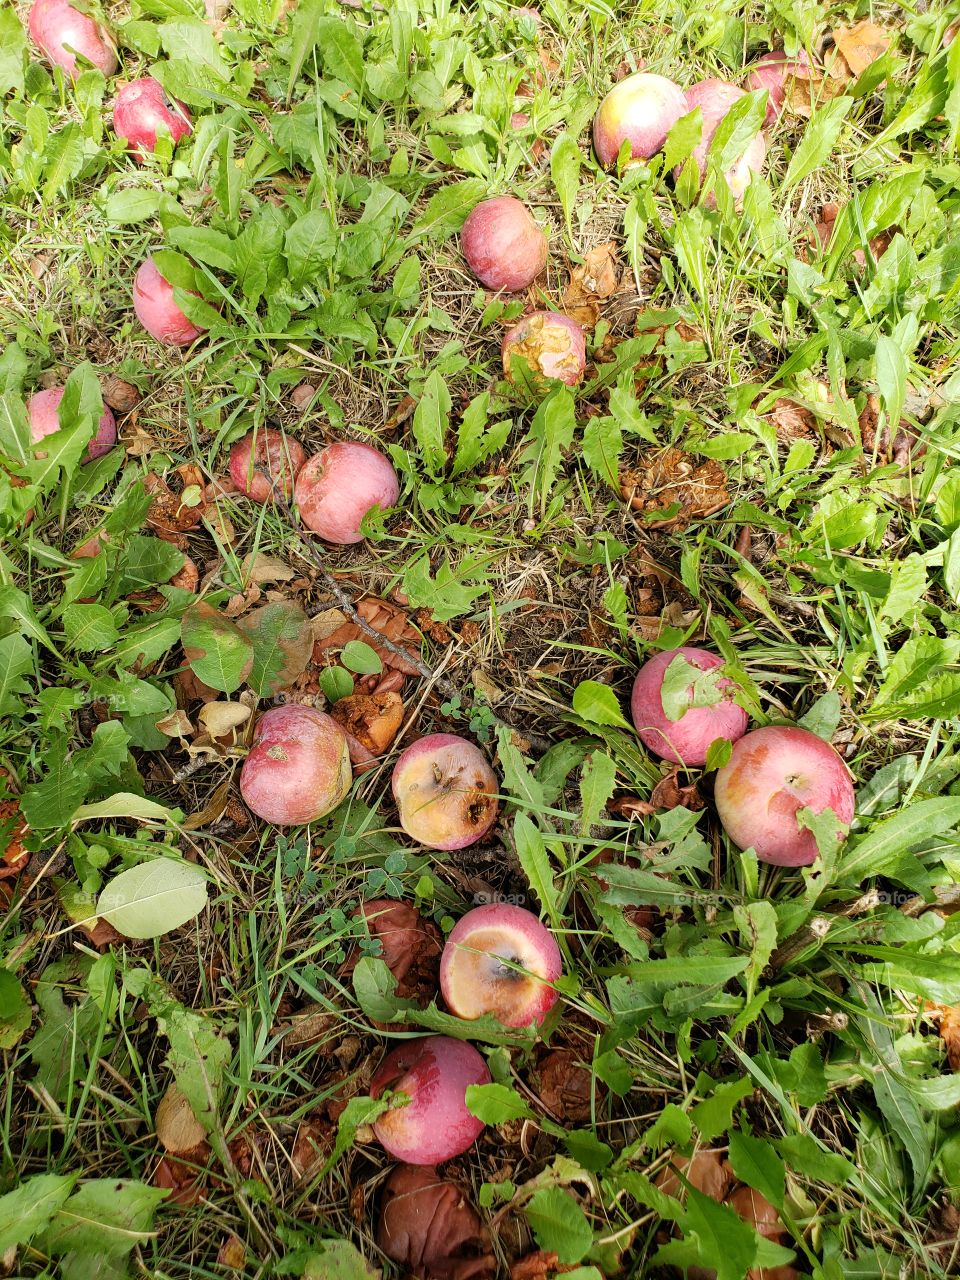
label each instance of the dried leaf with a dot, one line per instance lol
(668, 794)
(792, 421)
(213, 810)
(565, 1086)
(669, 481)
(948, 1017)
(757, 1210)
(170, 516)
(707, 1170)
(178, 1129)
(861, 45)
(232, 1253)
(175, 725)
(430, 1229)
(261, 569)
(220, 719)
(119, 395)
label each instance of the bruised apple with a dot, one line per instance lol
(298, 767)
(434, 1072)
(771, 72)
(500, 959)
(338, 486)
(64, 33)
(42, 410)
(641, 110)
(263, 459)
(772, 773)
(695, 712)
(503, 245)
(715, 98)
(142, 112)
(551, 344)
(156, 310)
(446, 792)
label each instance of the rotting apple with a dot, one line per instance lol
(771, 72)
(142, 112)
(710, 711)
(298, 767)
(504, 246)
(500, 959)
(640, 110)
(263, 459)
(156, 310)
(715, 98)
(63, 32)
(338, 486)
(551, 344)
(42, 410)
(446, 792)
(772, 773)
(435, 1073)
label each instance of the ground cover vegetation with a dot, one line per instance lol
(479, 639)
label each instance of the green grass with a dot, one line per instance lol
(782, 1017)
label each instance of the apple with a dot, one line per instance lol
(142, 112)
(772, 773)
(552, 345)
(63, 32)
(338, 486)
(771, 72)
(446, 792)
(265, 458)
(715, 98)
(42, 410)
(641, 110)
(685, 740)
(298, 767)
(156, 310)
(504, 247)
(500, 959)
(434, 1072)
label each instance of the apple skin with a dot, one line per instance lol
(141, 114)
(338, 486)
(474, 981)
(552, 344)
(435, 1124)
(446, 792)
(641, 109)
(684, 741)
(770, 72)
(42, 412)
(55, 25)
(503, 245)
(715, 98)
(156, 310)
(772, 773)
(279, 454)
(298, 767)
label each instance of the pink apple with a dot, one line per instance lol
(772, 774)
(503, 245)
(338, 486)
(552, 345)
(500, 959)
(156, 310)
(641, 110)
(687, 739)
(446, 792)
(63, 32)
(298, 767)
(44, 421)
(715, 98)
(435, 1073)
(771, 72)
(265, 458)
(142, 112)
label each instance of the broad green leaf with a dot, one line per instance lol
(89, 628)
(338, 1260)
(496, 1103)
(30, 1207)
(566, 158)
(756, 1163)
(535, 860)
(597, 704)
(16, 660)
(447, 210)
(16, 1015)
(131, 205)
(602, 447)
(105, 1219)
(685, 686)
(153, 898)
(878, 852)
(431, 421)
(891, 378)
(360, 657)
(558, 1224)
(217, 650)
(281, 638)
(13, 49)
(597, 782)
(124, 804)
(824, 716)
(819, 139)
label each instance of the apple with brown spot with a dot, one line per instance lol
(446, 792)
(298, 767)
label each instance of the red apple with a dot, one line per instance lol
(434, 1072)
(44, 421)
(715, 98)
(552, 345)
(156, 310)
(771, 72)
(500, 959)
(641, 110)
(338, 486)
(265, 458)
(773, 773)
(503, 245)
(687, 739)
(446, 792)
(63, 32)
(298, 767)
(142, 112)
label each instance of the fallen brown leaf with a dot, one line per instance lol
(261, 569)
(221, 718)
(119, 395)
(671, 478)
(861, 45)
(539, 1265)
(707, 1170)
(668, 794)
(232, 1253)
(899, 447)
(948, 1018)
(591, 283)
(565, 1086)
(170, 516)
(429, 1227)
(178, 1130)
